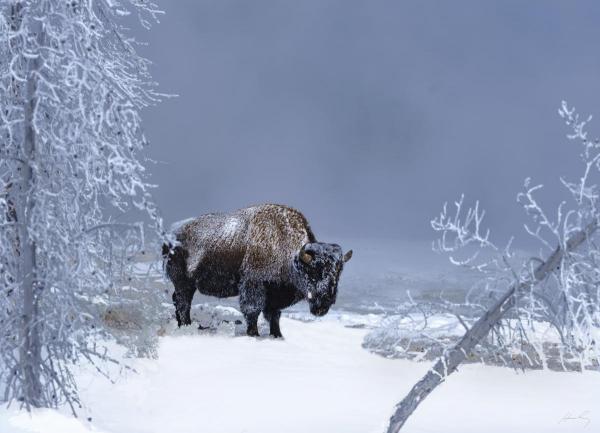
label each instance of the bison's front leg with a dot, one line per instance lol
(252, 302)
(273, 318)
(252, 323)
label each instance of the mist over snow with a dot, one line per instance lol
(367, 116)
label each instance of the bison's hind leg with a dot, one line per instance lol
(182, 299)
(184, 287)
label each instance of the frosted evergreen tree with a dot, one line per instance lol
(71, 90)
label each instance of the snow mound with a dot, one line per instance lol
(419, 337)
(413, 336)
(43, 421)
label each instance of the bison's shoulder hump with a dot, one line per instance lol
(275, 234)
(278, 223)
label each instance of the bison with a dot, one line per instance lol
(266, 254)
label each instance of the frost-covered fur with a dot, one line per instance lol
(266, 254)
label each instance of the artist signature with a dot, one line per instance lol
(582, 418)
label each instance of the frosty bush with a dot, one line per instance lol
(551, 299)
(71, 90)
(562, 312)
(136, 306)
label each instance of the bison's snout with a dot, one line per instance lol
(319, 308)
(319, 311)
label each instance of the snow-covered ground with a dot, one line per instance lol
(318, 379)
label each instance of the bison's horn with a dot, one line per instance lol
(347, 256)
(305, 257)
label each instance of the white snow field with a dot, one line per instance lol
(317, 380)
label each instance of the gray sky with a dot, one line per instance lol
(367, 115)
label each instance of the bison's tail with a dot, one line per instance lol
(174, 261)
(166, 249)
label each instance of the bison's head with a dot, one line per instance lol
(319, 267)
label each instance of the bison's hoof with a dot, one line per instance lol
(252, 332)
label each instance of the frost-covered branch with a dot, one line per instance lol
(459, 232)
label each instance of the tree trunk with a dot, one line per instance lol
(452, 358)
(29, 352)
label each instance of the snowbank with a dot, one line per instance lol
(42, 421)
(317, 380)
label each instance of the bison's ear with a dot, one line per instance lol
(347, 256)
